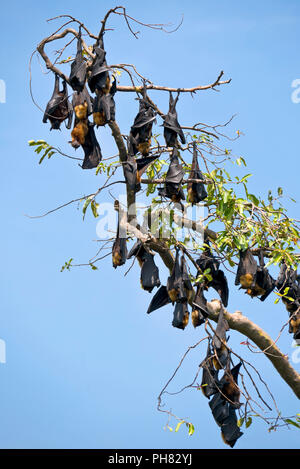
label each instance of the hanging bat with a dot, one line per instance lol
(91, 148)
(287, 278)
(58, 108)
(219, 343)
(82, 104)
(171, 125)
(196, 190)
(119, 249)
(160, 299)
(247, 270)
(180, 315)
(229, 385)
(218, 280)
(186, 281)
(149, 273)
(264, 283)
(78, 68)
(199, 312)
(175, 282)
(209, 383)
(79, 133)
(104, 108)
(219, 409)
(99, 77)
(207, 260)
(141, 130)
(135, 168)
(230, 431)
(172, 188)
(294, 325)
(225, 416)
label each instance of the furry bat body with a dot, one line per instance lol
(104, 108)
(77, 76)
(141, 130)
(196, 190)
(172, 188)
(58, 108)
(171, 125)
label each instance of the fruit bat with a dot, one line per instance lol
(265, 284)
(230, 431)
(209, 383)
(104, 108)
(225, 416)
(91, 148)
(288, 278)
(207, 260)
(229, 385)
(82, 104)
(199, 312)
(247, 270)
(160, 299)
(58, 108)
(172, 188)
(294, 326)
(186, 281)
(196, 190)
(99, 76)
(134, 168)
(219, 342)
(175, 283)
(79, 133)
(171, 125)
(218, 280)
(78, 68)
(149, 271)
(119, 249)
(180, 315)
(141, 130)
(255, 279)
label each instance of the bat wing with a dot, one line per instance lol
(144, 163)
(180, 316)
(130, 172)
(160, 299)
(219, 408)
(219, 283)
(229, 429)
(99, 71)
(175, 282)
(199, 312)
(92, 151)
(149, 273)
(77, 76)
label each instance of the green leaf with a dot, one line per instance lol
(291, 422)
(240, 422)
(85, 206)
(191, 429)
(279, 191)
(249, 422)
(178, 425)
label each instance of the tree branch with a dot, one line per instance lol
(237, 321)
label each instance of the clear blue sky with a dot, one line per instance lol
(84, 362)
